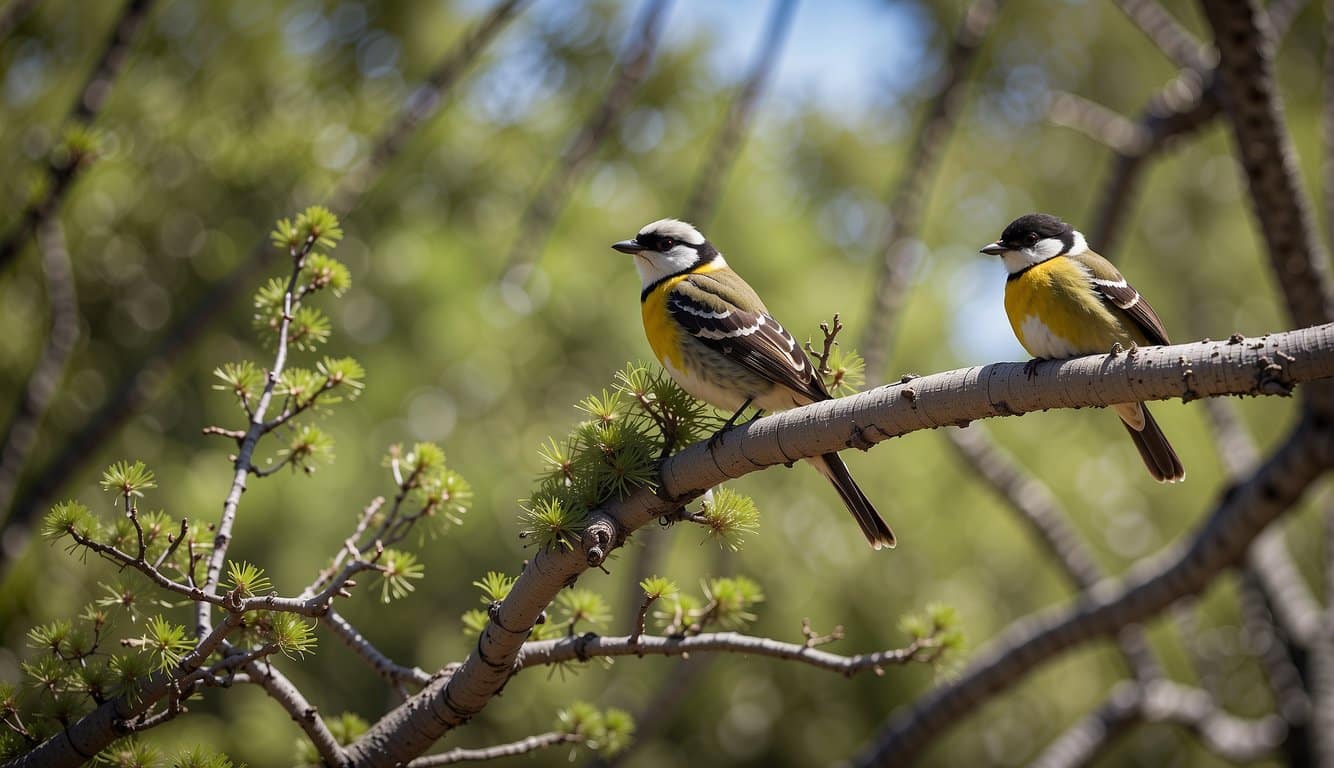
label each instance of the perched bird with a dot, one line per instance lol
(714, 336)
(1064, 300)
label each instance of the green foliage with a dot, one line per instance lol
(657, 587)
(293, 635)
(246, 579)
(613, 452)
(198, 757)
(165, 642)
(131, 752)
(727, 604)
(243, 379)
(128, 479)
(68, 518)
(847, 371)
(345, 728)
(606, 732)
(495, 586)
(935, 630)
(729, 518)
(577, 606)
(308, 445)
(398, 569)
(315, 226)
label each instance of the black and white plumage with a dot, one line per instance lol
(716, 338)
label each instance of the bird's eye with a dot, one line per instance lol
(1032, 238)
(666, 244)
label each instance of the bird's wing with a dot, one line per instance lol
(706, 307)
(1122, 298)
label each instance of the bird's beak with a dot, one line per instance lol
(628, 246)
(995, 249)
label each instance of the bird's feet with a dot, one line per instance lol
(1031, 367)
(729, 424)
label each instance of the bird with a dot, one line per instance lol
(1064, 300)
(713, 335)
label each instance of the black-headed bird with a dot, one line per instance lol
(1064, 300)
(715, 337)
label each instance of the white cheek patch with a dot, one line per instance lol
(1048, 248)
(1080, 246)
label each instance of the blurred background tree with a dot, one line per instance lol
(226, 114)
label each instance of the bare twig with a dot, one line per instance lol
(1175, 41)
(521, 747)
(1123, 135)
(908, 200)
(92, 95)
(43, 382)
(384, 666)
(302, 712)
(726, 146)
(223, 534)
(551, 195)
(541, 652)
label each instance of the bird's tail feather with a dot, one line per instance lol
(873, 525)
(1162, 461)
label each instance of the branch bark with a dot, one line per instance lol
(948, 398)
(21, 435)
(1151, 586)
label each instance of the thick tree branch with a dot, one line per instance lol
(1151, 586)
(907, 202)
(862, 420)
(1230, 738)
(726, 146)
(1250, 97)
(44, 381)
(92, 95)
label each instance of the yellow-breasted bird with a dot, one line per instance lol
(1064, 300)
(715, 337)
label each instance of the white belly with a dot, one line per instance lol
(703, 389)
(1041, 342)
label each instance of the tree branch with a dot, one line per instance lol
(384, 666)
(1175, 41)
(44, 381)
(1230, 738)
(862, 420)
(520, 747)
(302, 712)
(588, 646)
(1250, 97)
(1150, 586)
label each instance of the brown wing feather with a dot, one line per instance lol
(752, 339)
(1122, 298)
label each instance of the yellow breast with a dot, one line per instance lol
(1055, 313)
(661, 330)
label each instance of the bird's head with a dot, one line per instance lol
(1034, 238)
(667, 247)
